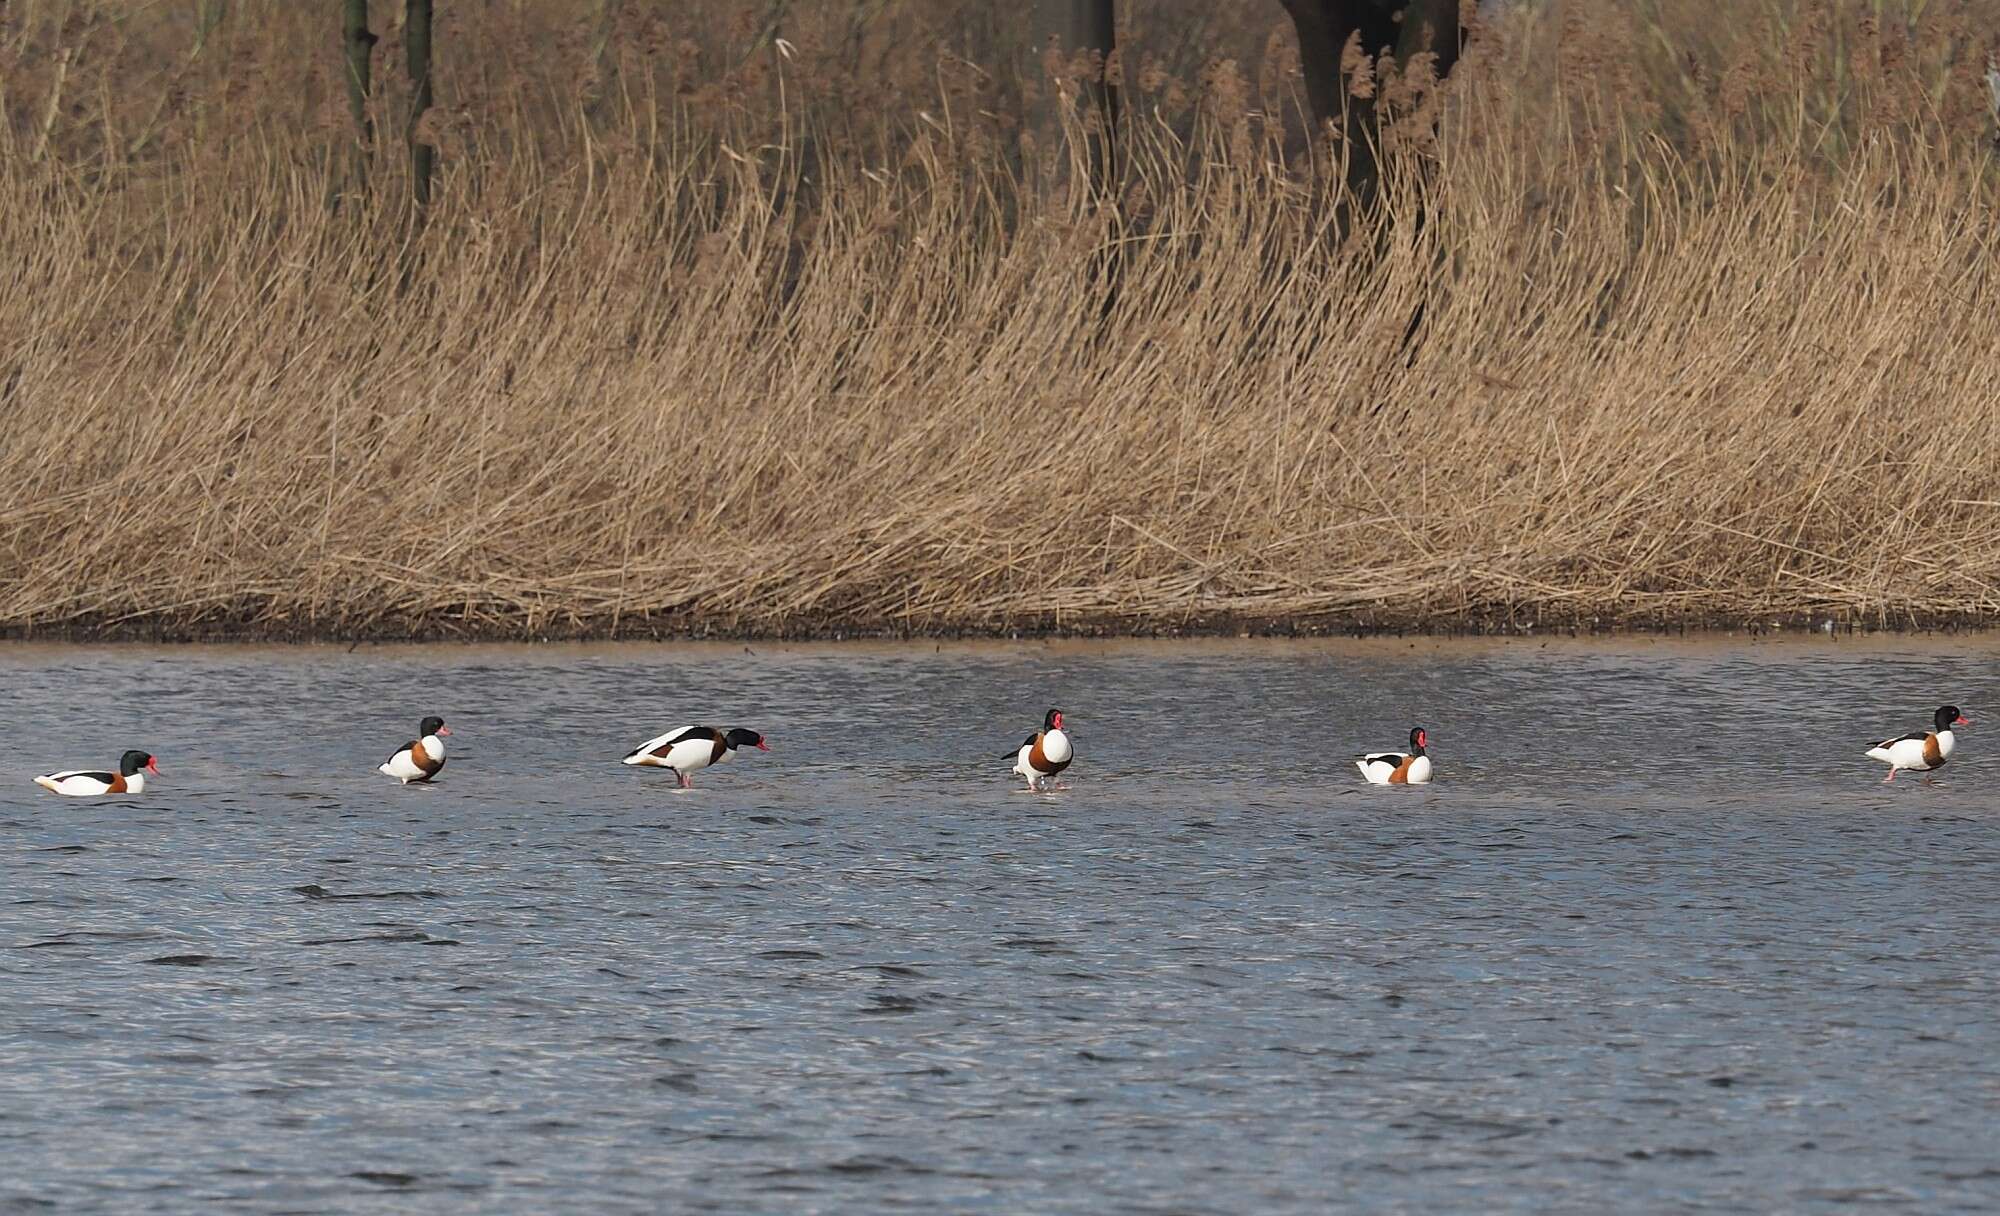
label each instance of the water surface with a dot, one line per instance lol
(1656, 940)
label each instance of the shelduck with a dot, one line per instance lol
(1045, 753)
(87, 783)
(1921, 750)
(689, 749)
(1399, 768)
(423, 757)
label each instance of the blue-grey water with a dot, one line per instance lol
(1656, 940)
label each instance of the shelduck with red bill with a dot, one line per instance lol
(1922, 750)
(689, 749)
(89, 783)
(1045, 753)
(1399, 768)
(421, 758)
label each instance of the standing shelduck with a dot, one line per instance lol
(85, 783)
(423, 757)
(1045, 753)
(1399, 768)
(688, 749)
(1921, 750)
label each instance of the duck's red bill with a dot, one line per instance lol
(153, 767)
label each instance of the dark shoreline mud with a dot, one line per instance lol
(251, 631)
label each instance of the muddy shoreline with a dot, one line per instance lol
(1194, 627)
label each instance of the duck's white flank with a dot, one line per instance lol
(1915, 752)
(684, 749)
(1395, 768)
(82, 783)
(408, 765)
(1043, 756)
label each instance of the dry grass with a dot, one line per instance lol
(701, 337)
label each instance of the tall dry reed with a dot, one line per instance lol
(744, 326)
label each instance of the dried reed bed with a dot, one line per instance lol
(1701, 332)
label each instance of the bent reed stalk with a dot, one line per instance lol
(1630, 340)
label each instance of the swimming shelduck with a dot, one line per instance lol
(422, 757)
(1399, 768)
(688, 749)
(1045, 753)
(85, 783)
(1922, 750)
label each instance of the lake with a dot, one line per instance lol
(1657, 939)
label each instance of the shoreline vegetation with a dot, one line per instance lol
(1216, 628)
(798, 321)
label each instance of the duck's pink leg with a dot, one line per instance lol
(1891, 777)
(686, 782)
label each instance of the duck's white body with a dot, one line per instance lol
(418, 761)
(1922, 751)
(1043, 756)
(83, 783)
(1395, 768)
(684, 749)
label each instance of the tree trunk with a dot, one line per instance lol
(417, 41)
(1074, 26)
(357, 43)
(1402, 27)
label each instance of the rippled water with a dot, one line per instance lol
(1656, 940)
